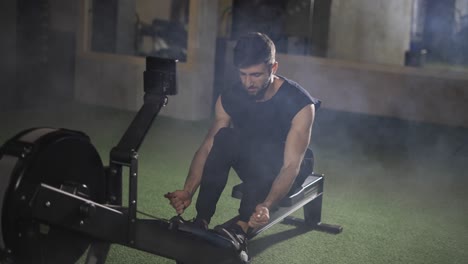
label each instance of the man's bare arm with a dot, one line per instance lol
(181, 199)
(297, 141)
(222, 119)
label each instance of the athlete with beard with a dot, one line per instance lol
(262, 130)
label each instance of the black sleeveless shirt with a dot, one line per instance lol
(267, 121)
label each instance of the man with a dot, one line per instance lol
(262, 129)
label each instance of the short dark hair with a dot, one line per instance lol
(254, 48)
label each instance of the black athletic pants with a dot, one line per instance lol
(256, 164)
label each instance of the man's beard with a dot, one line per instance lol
(261, 92)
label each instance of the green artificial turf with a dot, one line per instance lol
(397, 188)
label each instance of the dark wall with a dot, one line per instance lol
(104, 29)
(7, 53)
(306, 20)
(439, 24)
(262, 16)
(320, 27)
(32, 48)
(37, 51)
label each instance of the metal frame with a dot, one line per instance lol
(308, 197)
(112, 222)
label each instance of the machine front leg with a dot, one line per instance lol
(313, 217)
(97, 252)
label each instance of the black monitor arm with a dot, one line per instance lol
(159, 82)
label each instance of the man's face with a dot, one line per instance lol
(256, 78)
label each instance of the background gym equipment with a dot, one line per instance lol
(57, 199)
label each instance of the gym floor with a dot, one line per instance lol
(398, 188)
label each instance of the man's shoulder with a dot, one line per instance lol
(293, 87)
(233, 98)
(295, 90)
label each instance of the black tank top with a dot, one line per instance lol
(267, 121)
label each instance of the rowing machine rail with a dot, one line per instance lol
(309, 197)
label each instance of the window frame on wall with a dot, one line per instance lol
(85, 34)
(313, 31)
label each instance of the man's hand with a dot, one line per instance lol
(260, 217)
(180, 200)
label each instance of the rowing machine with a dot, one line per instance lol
(57, 199)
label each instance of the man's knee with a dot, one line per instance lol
(226, 142)
(220, 158)
(225, 134)
(254, 193)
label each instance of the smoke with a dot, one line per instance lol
(345, 89)
(381, 132)
(38, 50)
(382, 124)
(446, 32)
